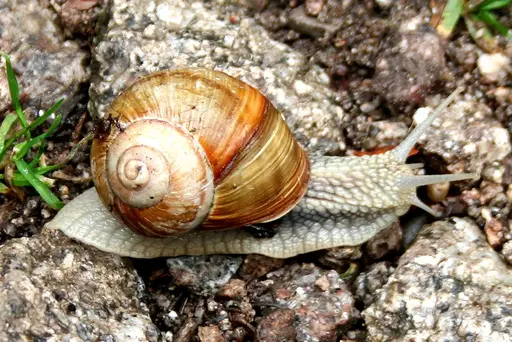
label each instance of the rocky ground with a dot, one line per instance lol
(349, 77)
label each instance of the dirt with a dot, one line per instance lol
(26, 216)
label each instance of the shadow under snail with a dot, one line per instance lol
(195, 154)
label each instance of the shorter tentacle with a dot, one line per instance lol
(418, 203)
(415, 166)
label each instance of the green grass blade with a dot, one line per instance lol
(450, 17)
(40, 187)
(489, 5)
(39, 153)
(5, 128)
(45, 169)
(36, 123)
(491, 20)
(15, 92)
(19, 180)
(39, 121)
(30, 127)
(4, 188)
(27, 145)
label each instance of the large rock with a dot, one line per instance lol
(48, 67)
(144, 36)
(449, 285)
(411, 61)
(51, 289)
(321, 301)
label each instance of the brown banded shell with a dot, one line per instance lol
(197, 148)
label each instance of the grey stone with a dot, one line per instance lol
(321, 300)
(368, 282)
(410, 62)
(77, 17)
(54, 290)
(301, 22)
(204, 274)
(449, 285)
(145, 36)
(507, 252)
(48, 67)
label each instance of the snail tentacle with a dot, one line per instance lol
(402, 150)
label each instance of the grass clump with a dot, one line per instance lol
(20, 167)
(480, 20)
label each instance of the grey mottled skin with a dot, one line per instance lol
(349, 200)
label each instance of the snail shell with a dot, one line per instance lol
(196, 148)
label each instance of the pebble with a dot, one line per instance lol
(203, 274)
(384, 3)
(495, 233)
(256, 266)
(235, 288)
(314, 7)
(494, 67)
(210, 333)
(315, 295)
(277, 326)
(386, 241)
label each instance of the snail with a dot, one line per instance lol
(191, 156)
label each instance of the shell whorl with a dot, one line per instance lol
(138, 175)
(159, 178)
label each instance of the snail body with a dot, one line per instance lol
(192, 155)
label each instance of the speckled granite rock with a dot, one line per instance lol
(277, 326)
(53, 290)
(449, 285)
(372, 279)
(410, 62)
(47, 66)
(466, 138)
(321, 300)
(144, 36)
